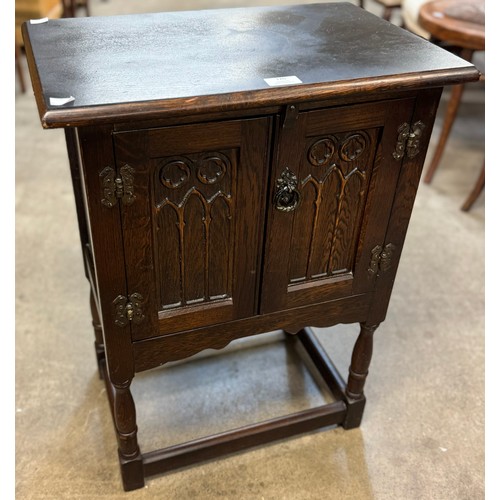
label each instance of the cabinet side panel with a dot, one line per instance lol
(96, 147)
(76, 178)
(425, 112)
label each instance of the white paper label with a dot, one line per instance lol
(60, 101)
(282, 80)
(39, 21)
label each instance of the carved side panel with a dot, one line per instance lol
(334, 175)
(194, 238)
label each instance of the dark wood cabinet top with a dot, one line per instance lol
(122, 68)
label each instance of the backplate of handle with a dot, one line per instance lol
(286, 196)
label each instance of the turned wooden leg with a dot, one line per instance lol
(129, 453)
(99, 341)
(118, 377)
(477, 190)
(360, 361)
(19, 69)
(362, 3)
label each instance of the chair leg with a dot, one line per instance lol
(362, 3)
(19, 70)
(85, 5)
(71, 7)
(387, 13)
(476, 191)
(451, 113)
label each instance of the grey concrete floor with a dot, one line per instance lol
(422, 435)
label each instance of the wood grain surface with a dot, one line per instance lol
(153, 64)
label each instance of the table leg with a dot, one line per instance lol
(129, 453)
(124, 417)
(360, 361)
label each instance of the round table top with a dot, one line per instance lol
(459, 22)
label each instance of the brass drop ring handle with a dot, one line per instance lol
(286, 197)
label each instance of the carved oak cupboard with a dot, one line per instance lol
(236, 172)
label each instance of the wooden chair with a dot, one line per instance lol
(24, 11)
(459, 23)
(410, 10)
(71, 7)
(389, 7)
(19, 69)
(459, 26)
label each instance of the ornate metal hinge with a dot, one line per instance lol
(381, 259)
(115, 187)
(128, 309)
(408, 141)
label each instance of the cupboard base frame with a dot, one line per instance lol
(344, 411)
(214, 205)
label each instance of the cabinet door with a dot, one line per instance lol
(193, 232)
(332, 186)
